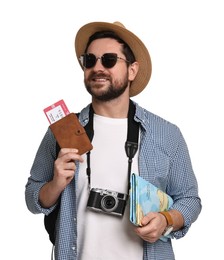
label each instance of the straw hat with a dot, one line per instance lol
(137, 46)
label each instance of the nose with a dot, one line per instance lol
(98, 65)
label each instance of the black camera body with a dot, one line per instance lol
(107, 201)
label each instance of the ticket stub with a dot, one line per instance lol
(56, 111)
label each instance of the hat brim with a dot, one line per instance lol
(137, 46)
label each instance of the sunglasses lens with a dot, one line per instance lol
(109, 60)
(88, 60)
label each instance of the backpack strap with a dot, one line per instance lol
(50, 220)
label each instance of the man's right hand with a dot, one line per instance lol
(64, 171)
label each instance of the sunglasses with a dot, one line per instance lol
(108, 60)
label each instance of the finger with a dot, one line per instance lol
(64, 151)
(71, 156)
(146, 219)
(70, 165)
(147, 234)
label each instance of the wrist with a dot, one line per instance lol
(169, 221)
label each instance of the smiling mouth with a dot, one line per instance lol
(100, 80)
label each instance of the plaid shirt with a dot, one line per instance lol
(163, 160)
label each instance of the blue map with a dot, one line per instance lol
(145, 198)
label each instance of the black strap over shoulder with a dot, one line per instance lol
(131, 145)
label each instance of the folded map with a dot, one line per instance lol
(145, 198)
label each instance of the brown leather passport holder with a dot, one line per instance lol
(69, 133)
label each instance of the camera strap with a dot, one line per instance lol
(131, 145)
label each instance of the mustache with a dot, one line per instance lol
(95, 75)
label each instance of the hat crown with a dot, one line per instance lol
(119, 24)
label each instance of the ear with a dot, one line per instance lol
(133, 70)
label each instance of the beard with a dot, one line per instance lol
(113, 91)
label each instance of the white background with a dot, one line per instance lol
(38, 67)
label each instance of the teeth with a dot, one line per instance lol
(100, 79)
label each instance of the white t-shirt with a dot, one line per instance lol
(104, 236)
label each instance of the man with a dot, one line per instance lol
(116, 66)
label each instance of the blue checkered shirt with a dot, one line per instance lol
(163, 160)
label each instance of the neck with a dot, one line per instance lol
(117, 108)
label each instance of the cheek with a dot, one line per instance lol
(121, 81)
(86, 74)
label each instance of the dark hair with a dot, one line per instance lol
(129, 55)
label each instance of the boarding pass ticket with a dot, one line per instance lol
(56, 111)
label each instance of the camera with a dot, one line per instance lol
(107, 201)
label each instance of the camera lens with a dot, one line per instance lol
(109, 203)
